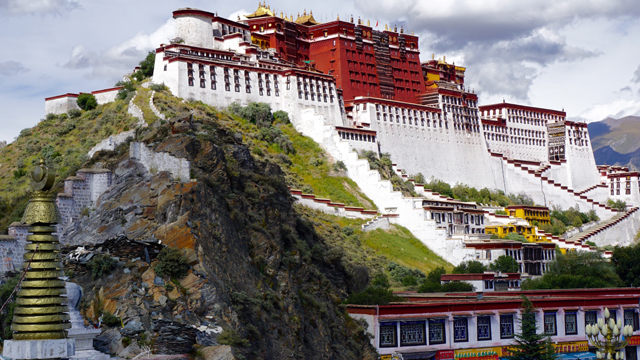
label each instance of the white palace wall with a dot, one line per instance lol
(453, 156)
(60, 104)
(581, 165)
(176, 78)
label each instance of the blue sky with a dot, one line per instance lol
(582, 56)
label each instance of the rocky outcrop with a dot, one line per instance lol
(260, 274)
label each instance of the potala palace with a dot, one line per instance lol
(351, 88)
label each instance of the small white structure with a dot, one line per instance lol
(60, 104)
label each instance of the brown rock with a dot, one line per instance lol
(221, 352)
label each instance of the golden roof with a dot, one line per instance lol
(263, 10)
(306, 19)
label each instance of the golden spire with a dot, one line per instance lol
(352, 19)
(368, 23)
(395, 29)
(338, 17)
(386, 27)
(304, 13)
(359, 21)
(40, 307)
(411, 32)
(280, 14)
(401, 30)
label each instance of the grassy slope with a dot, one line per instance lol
(375, 249)
(399, 245)
(325, 182)
(63, 142)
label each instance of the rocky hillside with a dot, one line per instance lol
(259, 270)
(616, 141)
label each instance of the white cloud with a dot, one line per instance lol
(9, 68)
(41, 7)
(615, 109)
(119, 60)
(241, 13)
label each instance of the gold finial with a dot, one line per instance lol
(238, 17)
(359, 21)
(40, 310)
(411, 32)
(386, 27)
(352, 19)
(338, 17)
(401, 30)
(280, 14)
(311, 12)
(368, 23)
(395, 29)
(298, 14)
(433, 56)
(269, 7)
(304, 13)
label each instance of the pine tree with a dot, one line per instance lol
(529, 344)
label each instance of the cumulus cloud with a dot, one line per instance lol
(505, 44)
(32, 7)
(240, 13)
(9, 68)
(121, 59)
(626, 88)
(615, 109)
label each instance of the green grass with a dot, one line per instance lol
(142, 101)
(322, 178)
(399, 245)
(63, 142)
(374, 249)
(323, 181)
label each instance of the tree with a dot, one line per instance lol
(576, 270)
(469, 267)
(432, 284)
(505, 264)
(436, 274)
(147, 65)
(529, 344)
(627, 264)
(87, 101)
(378, 293)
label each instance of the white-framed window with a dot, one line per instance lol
(550, 323)
(436, 332)
(412, 334)
(388, 335)
(460, 332)
(506, 326)
(484, 327)
(570, 323)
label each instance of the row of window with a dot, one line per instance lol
(358, 137)
(433, 331)
(515, 140)
(457, 218)
(458, 101)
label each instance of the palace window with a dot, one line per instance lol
(388, 336)
(237, 87)
(631, 318)
(484, 327)
(203, 83)
(460, 333)
(570, 323)
(550, 323)
(412, 334)
(213, 85)
(436, 332)
(227, 87)
(248, 87)
(506, 326)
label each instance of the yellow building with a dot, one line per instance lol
(535, 215)
(528, 231)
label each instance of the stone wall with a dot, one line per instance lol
(3, 144)
(160, 161)
(10, 254)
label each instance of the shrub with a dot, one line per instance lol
(110, 320)
(339, 166)
(101, 265)
(403, 274)
(618, 204)
(281, 116)
(126, 341)
(232, 338)
(74, 113)
(171, 263)
(127, 88)
(148, 64)
(87, 101)
(501, 212)
(158, 87)
(469, 267)
(419, 178)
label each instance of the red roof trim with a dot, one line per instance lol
(107, 90)
(61, 96)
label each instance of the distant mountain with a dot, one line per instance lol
(616, 141)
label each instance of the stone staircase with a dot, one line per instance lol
(533, 171)
(407, 211)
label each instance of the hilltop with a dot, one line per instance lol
(616, 141)
(272, 274)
